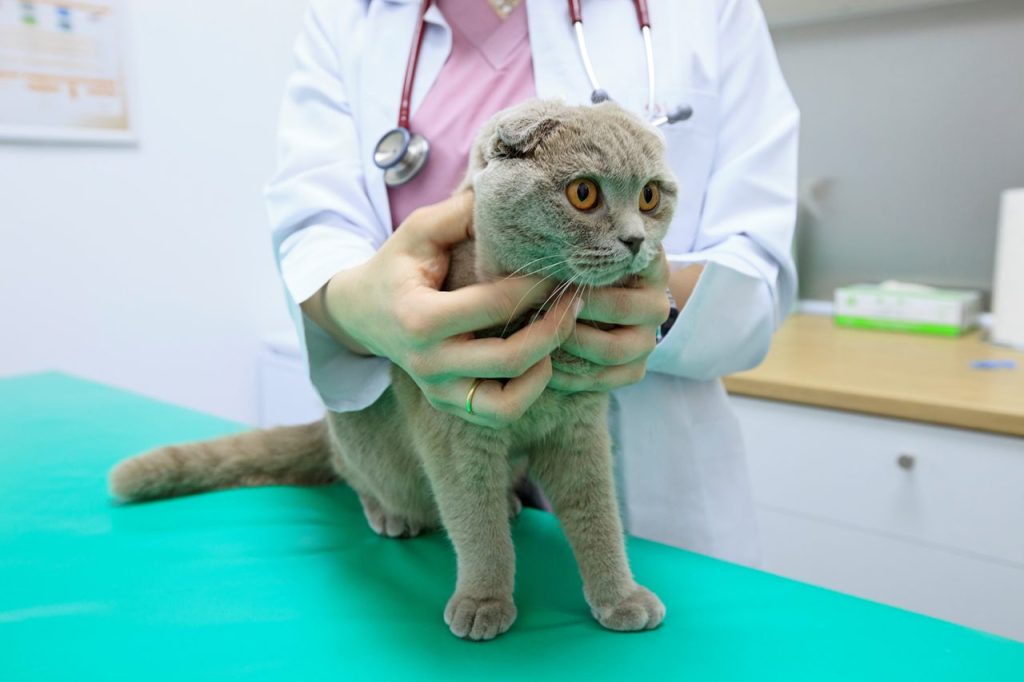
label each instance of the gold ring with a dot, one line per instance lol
(472, 392)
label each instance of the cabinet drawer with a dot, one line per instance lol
(952, 488)
(981, 594)
(285, 394)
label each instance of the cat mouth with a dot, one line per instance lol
(582, 269)
(603, 271)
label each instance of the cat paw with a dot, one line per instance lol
(384, 523)
(639, 610)
(479, 619)
(515, 505)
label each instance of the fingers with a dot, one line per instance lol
(439, 226)
(617, 305)
(616, 346)
(495, 404)
(512, 356)
(446, 375)
(504, 404)
(646, 304)
(486, 305)
(606, 379)
(657, 273)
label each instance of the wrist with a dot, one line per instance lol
(682, 282)
(323, 307)
(673, 313)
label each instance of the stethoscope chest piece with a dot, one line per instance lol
(400, 154)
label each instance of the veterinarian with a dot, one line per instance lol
(364, 294)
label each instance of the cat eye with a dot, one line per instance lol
(583, 194)
(649, 197)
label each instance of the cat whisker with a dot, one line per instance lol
(583, 291)
(554, 296)
(561, 288)
(549, 301)
(527, 265)
(574, 278)
(528, 291)
(546, 267)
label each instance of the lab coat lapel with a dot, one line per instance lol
(382, 71)
(557, 70)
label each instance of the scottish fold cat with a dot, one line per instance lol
(580, 194)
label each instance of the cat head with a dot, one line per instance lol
(576, 193)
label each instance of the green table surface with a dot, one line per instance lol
(289, 583)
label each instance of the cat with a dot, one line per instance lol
(583, 190)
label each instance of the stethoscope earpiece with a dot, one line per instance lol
(679, 114)
(675, 116)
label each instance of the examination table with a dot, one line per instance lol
(290, 584)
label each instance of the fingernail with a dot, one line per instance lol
(578, 308)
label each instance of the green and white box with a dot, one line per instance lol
(907, 307)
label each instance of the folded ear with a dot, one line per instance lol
(519, 130)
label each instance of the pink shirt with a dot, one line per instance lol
(489, 69)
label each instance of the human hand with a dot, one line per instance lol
(391, 306)
(614, 354)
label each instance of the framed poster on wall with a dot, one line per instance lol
(63, 71)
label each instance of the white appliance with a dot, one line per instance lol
(1008, 284)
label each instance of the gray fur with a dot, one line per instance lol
(416, 468)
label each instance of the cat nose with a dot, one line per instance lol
(632, 243)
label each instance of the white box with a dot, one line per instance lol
(907, 307)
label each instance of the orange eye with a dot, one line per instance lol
(649, 197)
(583, 194)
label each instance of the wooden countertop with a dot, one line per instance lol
(907, 376)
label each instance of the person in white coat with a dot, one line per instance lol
(363, 295)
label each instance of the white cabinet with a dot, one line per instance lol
(923, 517)
(286, 395)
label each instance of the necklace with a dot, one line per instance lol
(503, 8)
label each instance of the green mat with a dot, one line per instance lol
(290, 584)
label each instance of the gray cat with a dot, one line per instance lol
(587, 192)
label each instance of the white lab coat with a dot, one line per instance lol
(680, 458)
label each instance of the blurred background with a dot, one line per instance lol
(147, 265)
(141, 258)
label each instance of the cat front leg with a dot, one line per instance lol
(470, 478)
(574, 467)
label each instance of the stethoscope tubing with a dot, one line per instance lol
(403, 162)
(597, 93)
(405, 104)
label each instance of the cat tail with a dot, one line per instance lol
(287, 455)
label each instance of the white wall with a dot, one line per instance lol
(916, 117)
(150, 267)
(795, 12)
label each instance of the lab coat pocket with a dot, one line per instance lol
(691, 148)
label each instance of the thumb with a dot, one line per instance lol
(442, 225)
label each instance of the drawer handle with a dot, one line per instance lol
(906, 461)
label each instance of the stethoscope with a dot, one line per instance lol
(401, 154)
